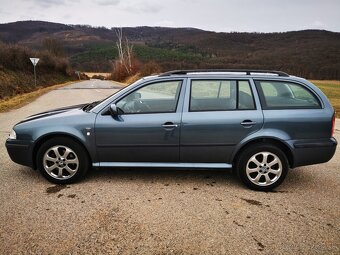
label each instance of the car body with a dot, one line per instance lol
(260, 123)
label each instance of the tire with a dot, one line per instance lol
(262, 167)
(61, 160)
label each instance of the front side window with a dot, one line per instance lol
(286, 95)
(153, 98)
(220, 95)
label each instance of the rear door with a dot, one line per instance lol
(217, 115)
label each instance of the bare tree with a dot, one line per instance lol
(129, 48)
(54, 47)
(119, 33)
(124, 51)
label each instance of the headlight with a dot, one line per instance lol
(12, 135)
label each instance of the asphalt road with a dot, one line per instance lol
(157, 211)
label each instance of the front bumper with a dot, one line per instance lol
(315, 151)
(20, 151)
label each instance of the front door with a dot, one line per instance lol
(217, 115)
(147, 128)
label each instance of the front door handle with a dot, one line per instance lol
(169, 125)
(248, 123)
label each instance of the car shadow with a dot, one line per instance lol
(211, 177)
(204, 176)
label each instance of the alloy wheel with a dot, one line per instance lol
(264, 168)
(60, 162)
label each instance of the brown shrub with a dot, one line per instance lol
(98, 76)
(132, 79)
(150, 68)
(16, 69)
(121, 72)
(15, 57)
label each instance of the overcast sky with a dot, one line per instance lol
(215, 15)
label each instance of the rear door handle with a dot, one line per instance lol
(247, 123)
(169, 125)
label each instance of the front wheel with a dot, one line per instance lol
(262, 167)
(62, 160)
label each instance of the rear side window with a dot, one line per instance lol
(286, 95)
(220, 95)
(245, 96)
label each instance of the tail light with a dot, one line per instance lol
(333, 125)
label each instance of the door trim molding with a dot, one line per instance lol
(159, 164)
(136, 145)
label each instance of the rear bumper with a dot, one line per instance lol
(315, 151)
(20, 151)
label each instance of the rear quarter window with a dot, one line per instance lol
(286, 95)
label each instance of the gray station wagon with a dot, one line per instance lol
(258, 123)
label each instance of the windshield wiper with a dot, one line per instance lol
(89, 106)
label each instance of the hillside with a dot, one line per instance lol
(16, 70)
(313, 54)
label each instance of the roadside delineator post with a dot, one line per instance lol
(35, 62)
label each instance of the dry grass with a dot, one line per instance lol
(23, 99)
(132, 78)
(93, 74)
(332, 91)
(330, 82)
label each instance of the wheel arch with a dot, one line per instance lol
(49, 136)
(267, 140)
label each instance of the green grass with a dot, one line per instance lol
(332, 91)
(104, 53)
(146, 53)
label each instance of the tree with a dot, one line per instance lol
(53, 47)
(125, 53)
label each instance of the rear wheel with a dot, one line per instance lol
(262, 167)
(62, 160)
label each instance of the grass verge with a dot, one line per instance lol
(332, 91)
(23, 99)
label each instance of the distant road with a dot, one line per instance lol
(93, 84)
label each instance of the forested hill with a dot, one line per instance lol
(314, 54)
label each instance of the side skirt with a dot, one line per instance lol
(151, 164)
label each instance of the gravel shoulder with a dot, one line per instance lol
(162, 211)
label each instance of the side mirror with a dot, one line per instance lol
(113, 110)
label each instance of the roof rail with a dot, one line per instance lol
(247, 71)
